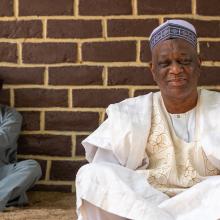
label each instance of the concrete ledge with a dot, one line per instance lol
(44, 206)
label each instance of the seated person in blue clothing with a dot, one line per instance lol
(15, 177)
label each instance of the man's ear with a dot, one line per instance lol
(152, 69)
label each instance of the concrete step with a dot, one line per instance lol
(44, 206)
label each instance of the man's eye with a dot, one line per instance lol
(185, 62)
(163, 64)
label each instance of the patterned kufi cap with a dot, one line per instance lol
(172, 29)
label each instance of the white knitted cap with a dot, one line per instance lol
(172, 29)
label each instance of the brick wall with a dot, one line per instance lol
(64, 61)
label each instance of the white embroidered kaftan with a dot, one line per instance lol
(124, 190)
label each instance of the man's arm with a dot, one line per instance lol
(10, 127)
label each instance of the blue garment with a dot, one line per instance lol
(15, 177)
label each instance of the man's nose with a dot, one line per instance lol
(176, 68)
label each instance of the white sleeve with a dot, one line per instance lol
(123, 135)
(99, 143)
(103, 155)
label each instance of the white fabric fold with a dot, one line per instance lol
(111, 187)
(125, 132)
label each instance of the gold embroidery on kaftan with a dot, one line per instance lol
(174, 164)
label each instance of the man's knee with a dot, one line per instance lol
(98, 172)
(31, 167)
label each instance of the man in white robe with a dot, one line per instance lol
(157, 156)
(15, 177)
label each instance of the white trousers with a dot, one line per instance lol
(92, 212)
(109, 191)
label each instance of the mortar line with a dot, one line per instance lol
(70, 98)
(42, 121)
(73, 139)
(63, 133)
(84, 17)
(12, 98)
(55, 182)
(104, 28)
(44, 34)
(194, 8)
(161, 20)
(76, 8)
(87, 40)
(16, 6)
(52, 158)
(105, 76)
(130, 93)
(19, 53)
(47, 175)
(79, 53)
(85, 63)
(46, 76)
(73, 189)
(138, 51)
(134, 7)
(102, 118)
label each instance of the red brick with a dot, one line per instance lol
(45, 7)
(131, 27)
(210, 51)
(52, 188)
(22, 75)
(117, 51)
(211, 7)
(20, 29)
(5, 97)
(164, 7)
(65, 170)
(210, 76)
(145, 51)
(144, 91)
(130, 76)
(8, 52)
(80, 151)
(31, 120)
(49, 53)
(76, 75)
(74, 29)
(98, 97)
(45, 144)
(6, 8)
(71, 121)
(105, 7)
(203, 27)
(41, 98)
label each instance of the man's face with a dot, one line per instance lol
(175, 68)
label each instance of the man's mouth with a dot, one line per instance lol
(177, 81)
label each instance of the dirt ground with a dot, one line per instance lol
(44, 206)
